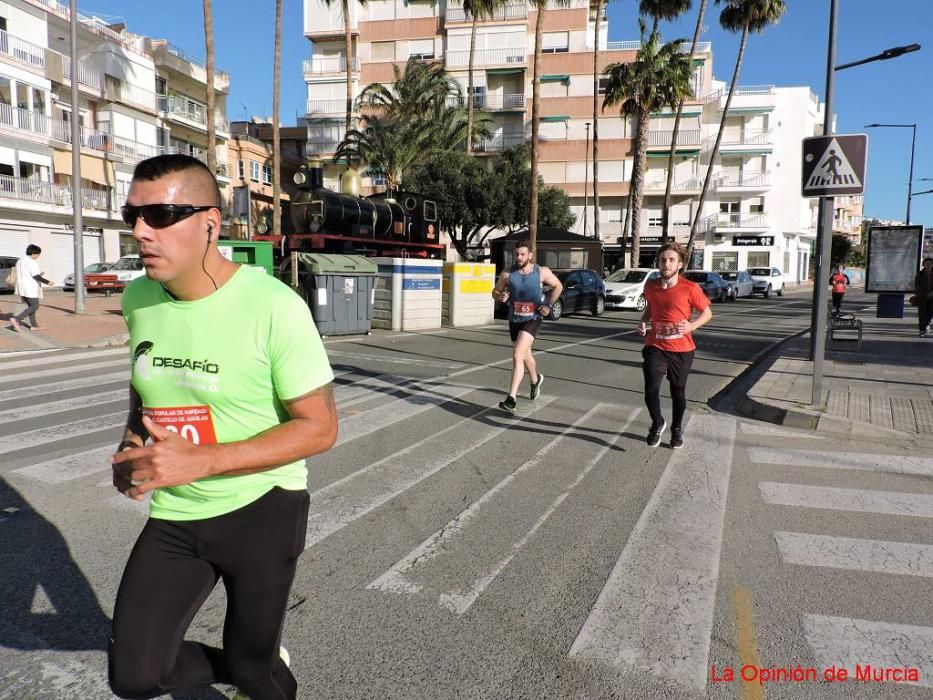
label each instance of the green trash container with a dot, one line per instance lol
(254, 253)
(339, 290)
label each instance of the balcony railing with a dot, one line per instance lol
(334, 106)
(744, 179)
(516, 11)
(22, 51)
(194, 112)
(748, 138)
(489, 57)
(490, 102)
(659, 184)
(736, 220)
(685, 137)
(741, 90)
(322, 65)
(702, 46)
(321, 146)
(39, 192)
(86, 76)
(121, 91)
(499, 142)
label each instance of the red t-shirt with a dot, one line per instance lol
(670, 306)
(839, 282)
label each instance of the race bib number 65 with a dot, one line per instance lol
(524, 308)
(194, 423)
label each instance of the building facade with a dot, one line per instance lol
(138, 97)
(742, 223)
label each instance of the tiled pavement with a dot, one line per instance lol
(101, 323)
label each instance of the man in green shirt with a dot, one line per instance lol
(230, 392)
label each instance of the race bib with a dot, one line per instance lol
(523, 308)
(667, 331)
(194, 423)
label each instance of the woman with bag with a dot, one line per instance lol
(29, 281)
(923, 288)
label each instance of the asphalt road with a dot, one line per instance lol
(454, 551)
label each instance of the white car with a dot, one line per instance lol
(768, 280)
(625, 288)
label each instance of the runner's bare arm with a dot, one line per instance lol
(501, 291)
(705, 317)
(134, 435)
(549, 278)
(642, 326)
(171, 460)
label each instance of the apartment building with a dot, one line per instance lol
(753, 215)
(847, 217)
(127, 111)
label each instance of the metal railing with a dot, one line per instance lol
(320, 65)
(121, 91)
(22, 51)
(27, 189)
(741, 90)
(744, 179)
(192, 111)
(702, 46)
(513, 11)
(489, 57)
(685, 137)
(86, 76)
(736, 220)
(659, 184)
(319, 146)
(747, 138)
(490, 102)
(499, 142)
(333, 106)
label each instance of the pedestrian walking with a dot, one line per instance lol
(29, 281)
(522, 288)
(669, 347)
(230, 390)
(838, 281)
(923, 288)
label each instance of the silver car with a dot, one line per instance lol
(741, 282)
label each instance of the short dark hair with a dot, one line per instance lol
(926, 260)
(523, 244)
(33, 249)
(158, 167)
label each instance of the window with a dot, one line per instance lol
(603, 84)
(161, 86)
(758, 260)
(3, 24)
(757, 205)
(725, 262)
(552, 131)
(240, 170)
(254, 171)
(421, 48)
(555, 42)
(430, 211)
(382, 51)
(267, 174)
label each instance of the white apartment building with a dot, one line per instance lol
(753, 215)
(138, 97)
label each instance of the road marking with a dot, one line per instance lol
(761, 429)
(904, 558)
(655, 612)
(847, 642)
(395, 360)
(399, 578)
(410, 334)
(48, 408)
(62, 431)
(746, 640)
(47, 359)
(57, 386)
(340, 503)
(19, 376)
(896, 464)
(69, 467)
(854, 500)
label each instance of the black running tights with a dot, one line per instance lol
(676, 367)
(172, 570)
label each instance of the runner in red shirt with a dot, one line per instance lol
(839, 281)
(672, 301)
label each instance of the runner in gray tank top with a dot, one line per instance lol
(522, 289)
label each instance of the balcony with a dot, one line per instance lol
(722, 223)
(22, 51)
(702, 46)
(322, 146)
(329, 107)
(498, 143)
(86, 76)
(181, 108)
(516, 56)
(734, 141)
(661, 140)
(50, 194)
(657, 185)
(491, 103)
(328, 65)
(746, 181)
(121, 91)
(506, 12)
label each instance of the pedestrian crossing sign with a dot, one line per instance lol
(834, 165)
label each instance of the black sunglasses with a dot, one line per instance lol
(160, 215)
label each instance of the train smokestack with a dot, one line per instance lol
(315, 174)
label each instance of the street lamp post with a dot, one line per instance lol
(586, 175)
(913, 144)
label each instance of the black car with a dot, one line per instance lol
(715, 287)
(6, 265)
(583, 291)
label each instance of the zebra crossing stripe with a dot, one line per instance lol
(64, 431)
(39, 374)
(38, 410)
(70, 467)
(655, 612)
(394, 360)
(777, 431)
(895, 464)
(904, 558)
(853, 500)
(47, 359)
(342, 502)
(458, 601)
(868, 645)
(56, 386)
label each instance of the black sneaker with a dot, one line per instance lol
(654, 435)
(536, 387)
(508, 404)
(677, 438)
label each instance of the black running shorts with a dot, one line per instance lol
(530, 327)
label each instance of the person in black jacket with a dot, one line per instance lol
(923, 288)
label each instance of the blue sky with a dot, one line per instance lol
(899, 91)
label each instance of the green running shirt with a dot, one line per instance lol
(218, 370)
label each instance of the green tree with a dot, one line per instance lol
(841, 248)
(659, 77)
(745, 16)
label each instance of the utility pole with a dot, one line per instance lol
(586, 175)
(76, 200)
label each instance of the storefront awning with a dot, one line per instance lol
(504, 71)
(94, 169)
(561, 118)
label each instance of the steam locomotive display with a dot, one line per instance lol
(400, 224)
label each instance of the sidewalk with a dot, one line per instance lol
(101, 324)
(884, 390)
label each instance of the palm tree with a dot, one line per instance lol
(659, 77)
(478, 9)
(747, 16)
(276, 144)
(348, 50)
(209, 48)
(666, 211)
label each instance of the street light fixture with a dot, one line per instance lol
(913, 143)
(586, 174)
(883, 56)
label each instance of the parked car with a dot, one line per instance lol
(69, 284)
(715, 287)
(583, 291)
(742, 283)
(124, 271)
(767, 280)
(6, 264)
(625, 288)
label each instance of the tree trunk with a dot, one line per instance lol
(628, 211)
(209, 49)
(469, 138)
(666, 210)
(348, 37)
(712, 157)
(596, 73)
(638, 176)
(535, 120)
(276, 143)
